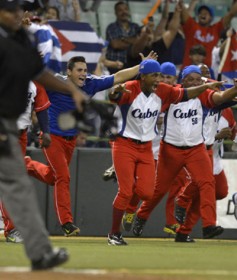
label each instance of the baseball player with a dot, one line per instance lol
(168, 76)
(60, 152)
(39, 102)
(183, 146)
(188, 198)
(140, 102)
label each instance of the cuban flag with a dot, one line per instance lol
(228, 65)
(48, 45)
(78, 39)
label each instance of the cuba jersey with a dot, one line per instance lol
(210, 125)
(184, 121)
(37, 100)
(139, 112)
(226, 120)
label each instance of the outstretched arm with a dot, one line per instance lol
(194, 92)
(225, 96)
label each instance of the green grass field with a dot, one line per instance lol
(205, 259)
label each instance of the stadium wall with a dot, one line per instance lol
(92, 198)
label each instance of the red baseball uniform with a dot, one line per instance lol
(183, 146)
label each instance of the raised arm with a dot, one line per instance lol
(129, 73)
(184, 12)
(228, 17)
(161, 26)
(173, 27)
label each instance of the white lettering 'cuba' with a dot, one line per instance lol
(205, 39)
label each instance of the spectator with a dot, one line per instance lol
(94, 6)
(197, 55)
(175, 52)
(51, 13)
(201, 31)
(120, 35)
(68, 9)
(146, 41)
(217, 54)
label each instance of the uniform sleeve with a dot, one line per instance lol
(169, 95)
(229, 116)
(206, 98)
(41, 100)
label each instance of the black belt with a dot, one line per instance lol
(183, 147)
(208, 147)
(68, 138)
(139, 142)
(21, 131)
(180, 147)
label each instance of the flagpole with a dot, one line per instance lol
(151, 12)
(223, 59)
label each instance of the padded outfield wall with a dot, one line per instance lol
(92, 197)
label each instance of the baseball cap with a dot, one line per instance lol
(168, 68)
(148, 66)
(190, 69)
(208, 8)
(10, 4)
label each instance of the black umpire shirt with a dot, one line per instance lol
(20, 62)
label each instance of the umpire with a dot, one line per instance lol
(20, 63)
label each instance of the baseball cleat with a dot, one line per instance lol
(171, 229)
(127, 221)
(70, 229)
(212, 231)
(116, 239)
(14, 236)
(138, 226)
(181, 237)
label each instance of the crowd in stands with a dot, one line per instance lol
(186, 35)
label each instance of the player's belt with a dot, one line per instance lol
(180, 147)
(139, 142)
(68, 138)
(208, 147)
